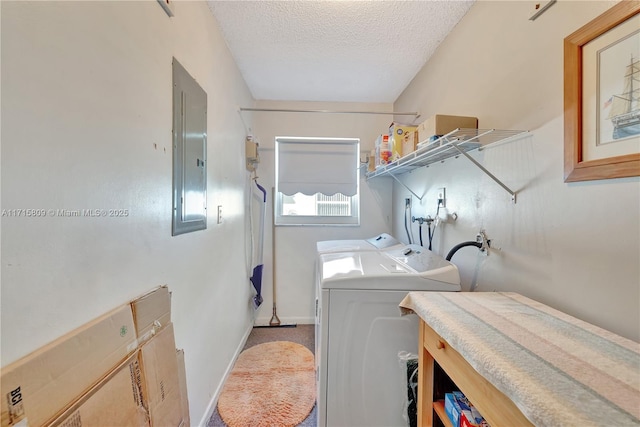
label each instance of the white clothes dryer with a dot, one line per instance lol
(375, 243)
(380, 242)
(359, 331)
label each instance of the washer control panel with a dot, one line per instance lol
(418, 258)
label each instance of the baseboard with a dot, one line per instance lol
(214, 400)
(264, 321)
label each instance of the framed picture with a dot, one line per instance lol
(602, 96)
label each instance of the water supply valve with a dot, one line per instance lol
(422, 220)
(481, 237)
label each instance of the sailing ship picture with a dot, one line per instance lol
(619, 82)
(601, 96)
(625, 110)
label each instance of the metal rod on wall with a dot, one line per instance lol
(541, 10)
(281, 110)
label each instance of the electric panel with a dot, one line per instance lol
(189, 153)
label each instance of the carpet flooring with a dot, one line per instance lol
(301, 334)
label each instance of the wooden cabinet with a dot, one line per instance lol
(494, 406)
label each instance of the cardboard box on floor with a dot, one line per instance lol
(116, 401)
(81, 371)
(182, 377)
(143, 392)
(39, 386)
(151, 311)
(158, 358)
(161, 386)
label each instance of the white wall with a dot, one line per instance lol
(575, 246)
(296, 245)
(86, 123)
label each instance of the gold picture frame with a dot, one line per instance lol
(577, 166)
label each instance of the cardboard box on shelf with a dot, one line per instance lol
(461, 412)
(410, 142)
(397, 134)
(441, 124)
(161, 386)
(116, 401)
(452, 408)
(41, 385)
(151, 311)
(182, 377)
(471, 417)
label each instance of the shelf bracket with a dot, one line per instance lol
(405, 186)
(483, 169)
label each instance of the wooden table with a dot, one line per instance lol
(494, 406)
(522, 363)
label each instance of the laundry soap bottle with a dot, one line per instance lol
(383, 151)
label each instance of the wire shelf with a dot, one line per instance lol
(445, 147)
(455, 143)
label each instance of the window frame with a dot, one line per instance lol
(317, 220)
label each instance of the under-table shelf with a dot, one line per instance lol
(438, 407)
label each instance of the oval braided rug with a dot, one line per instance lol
(271, 384)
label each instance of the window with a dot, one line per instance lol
(317, 181)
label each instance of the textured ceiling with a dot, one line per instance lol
(346, 51)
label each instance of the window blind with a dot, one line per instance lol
(310, 166)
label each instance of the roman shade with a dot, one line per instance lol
(309, 166)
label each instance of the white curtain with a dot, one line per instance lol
(311, 166)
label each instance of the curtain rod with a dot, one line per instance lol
(279, 110)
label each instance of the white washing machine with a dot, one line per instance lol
(359, 331)
(383, 241)
(375, 243)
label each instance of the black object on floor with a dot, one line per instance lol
(412, 392)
